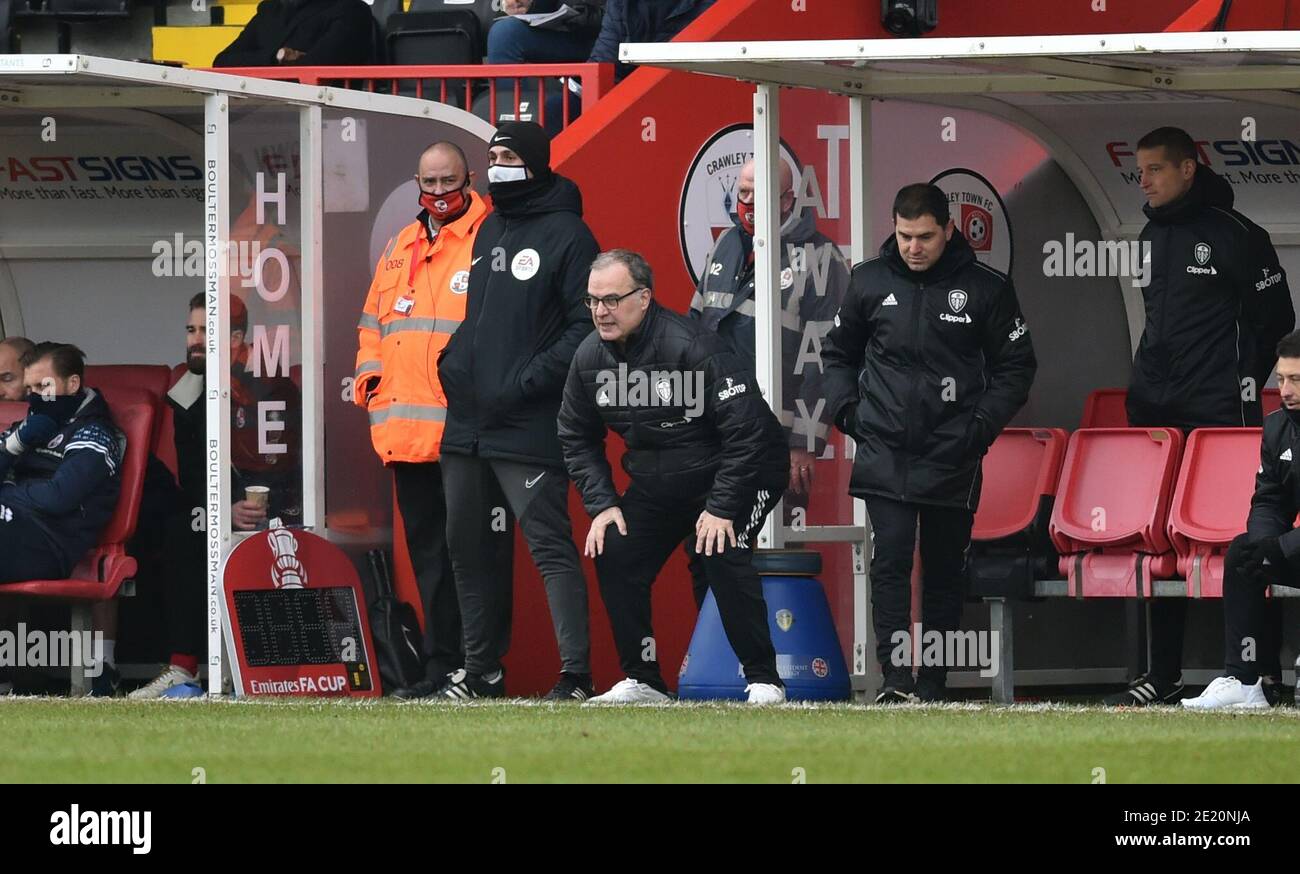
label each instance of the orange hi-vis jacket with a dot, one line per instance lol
(416, 302)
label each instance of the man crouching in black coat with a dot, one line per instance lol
(705, 454)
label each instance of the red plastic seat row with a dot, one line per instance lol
(1104, 407)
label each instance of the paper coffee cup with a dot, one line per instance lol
(259, 495)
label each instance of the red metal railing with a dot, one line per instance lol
(438, 83)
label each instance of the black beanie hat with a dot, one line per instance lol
(529, 141)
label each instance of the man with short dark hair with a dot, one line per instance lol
(1216, 307)
(184, 602)
(1267, 554)
(706, 457)
(12, 350)
(60, 469)
(927, 362)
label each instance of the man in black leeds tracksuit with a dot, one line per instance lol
(1267, 554)
(503, 373)
(1216, 306)
(928, 361)
(707, 460)
(60, 470)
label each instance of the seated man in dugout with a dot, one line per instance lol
(60, 474)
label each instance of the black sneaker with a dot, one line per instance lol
(464, 686)
(571, 687)
(898, 687)
(105, 685)
(1145, 691)
(931, 689)
(1273, 691)
(426, 688)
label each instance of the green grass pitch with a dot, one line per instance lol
(52, 740)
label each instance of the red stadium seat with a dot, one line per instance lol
(1011, 546)
(155, 379)
(1112, 510)
(105, 569)
(1211, 502)
(1104, 408)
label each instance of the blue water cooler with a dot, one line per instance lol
(808, 656)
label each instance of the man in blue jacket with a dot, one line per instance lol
(60, 469)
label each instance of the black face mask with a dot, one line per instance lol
(60, 408)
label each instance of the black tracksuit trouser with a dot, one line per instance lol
(945, 539)
(423, 504)
(629, 564)
(1252, 627)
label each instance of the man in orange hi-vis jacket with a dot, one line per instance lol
(416, 302)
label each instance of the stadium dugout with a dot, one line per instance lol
(1084, 100)
(174, 180)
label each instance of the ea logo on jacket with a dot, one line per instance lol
(526, 264)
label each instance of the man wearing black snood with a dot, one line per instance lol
(60, 469)
(503, 373)
(1217, 304)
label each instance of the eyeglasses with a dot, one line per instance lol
(611, 303)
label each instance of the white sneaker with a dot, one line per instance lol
(765, 693)
(1228, 692)
(168, 679)
(630, 691)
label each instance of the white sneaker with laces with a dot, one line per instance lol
(1228, 692)
(630, 691)
(765, 693)
(168, 679)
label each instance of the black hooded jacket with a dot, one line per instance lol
(503, 370)
(687, 407)
(328, 32)
(924, 370)
(1216, 305)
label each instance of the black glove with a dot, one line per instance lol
(847, 418)
(37, 430)
(1263, 560)
(981, 436)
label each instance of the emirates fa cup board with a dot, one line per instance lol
(295, 618)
